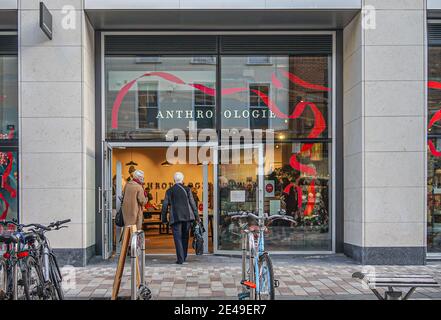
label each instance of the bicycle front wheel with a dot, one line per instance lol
(266, 278)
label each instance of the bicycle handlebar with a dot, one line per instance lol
(282, 217)
(54, 225)
(265, 217)
(6, 222)
(59, 223)
(247, 215)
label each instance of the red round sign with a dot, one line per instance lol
(201, 206)
(269, 188)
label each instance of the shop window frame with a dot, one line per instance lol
(335, 67)
(430, 136)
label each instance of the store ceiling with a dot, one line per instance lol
(220, 19)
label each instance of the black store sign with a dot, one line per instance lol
(45, 20)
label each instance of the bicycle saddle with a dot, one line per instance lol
(8, 237)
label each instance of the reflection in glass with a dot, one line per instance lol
(8, 188)
(302, 196)
(434, 200)
(8, 97)
(145, 98)
(258, 120)
(286, 81)
(237, 193)
(147, 105)
(434, 156)
(204, 106)
(8, 132)
(434, 96)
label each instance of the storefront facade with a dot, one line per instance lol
(332, 98)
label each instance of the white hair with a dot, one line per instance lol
(139, 174)
(178, 177)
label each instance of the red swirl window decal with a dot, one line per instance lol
(435, 118)
(434, 85)
(9, 159)
(319, 120)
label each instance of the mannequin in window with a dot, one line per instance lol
(291, 195)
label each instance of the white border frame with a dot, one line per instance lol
(159, 144)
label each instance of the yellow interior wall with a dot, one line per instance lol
(149, 160)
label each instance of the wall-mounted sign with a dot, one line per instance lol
(237, 196)
(45, 20)
(166, 185)
(269, 188)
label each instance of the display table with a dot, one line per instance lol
(155, 219)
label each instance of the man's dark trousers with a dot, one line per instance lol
(181, 233)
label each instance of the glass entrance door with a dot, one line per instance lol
(239, 172)
(107, 203)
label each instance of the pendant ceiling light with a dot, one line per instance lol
(131, 162)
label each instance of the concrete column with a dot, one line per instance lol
(384, 129)
(57, 144)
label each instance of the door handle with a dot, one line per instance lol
(100, 199)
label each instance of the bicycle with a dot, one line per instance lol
(257, 269)
(47, 259)
(46, 277)
(18, 270)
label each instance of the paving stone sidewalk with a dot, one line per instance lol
(218, 277)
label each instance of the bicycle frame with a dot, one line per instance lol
(44, 256)
(256, 251)
(249, 244)
(260, 251)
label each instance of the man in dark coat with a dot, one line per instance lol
(183, 211)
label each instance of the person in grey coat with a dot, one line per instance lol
(183, 212)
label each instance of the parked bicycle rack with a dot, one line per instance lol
(137, 245)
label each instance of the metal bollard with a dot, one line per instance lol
(139, 235)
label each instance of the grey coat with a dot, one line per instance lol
(182, 206)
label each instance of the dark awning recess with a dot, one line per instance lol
(233, 20)
(211, 44)
(434, 34)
